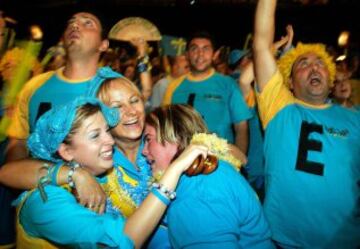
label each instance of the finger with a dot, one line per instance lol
(102, 208)
(84, 201)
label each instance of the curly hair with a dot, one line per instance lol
(286, 62)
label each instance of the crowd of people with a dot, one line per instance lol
(104, 152)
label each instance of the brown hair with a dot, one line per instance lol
(176, 124)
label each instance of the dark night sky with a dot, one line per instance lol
(229, 23)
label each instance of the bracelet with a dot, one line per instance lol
(73, 166)
(44, 180)
(143, 64)
(143, 67)
(54, 173)
(160, 196)
(171, 195)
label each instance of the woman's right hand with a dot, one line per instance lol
(89, 192)
(188, 156)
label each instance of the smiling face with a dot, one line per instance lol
(200, 54)
(83, 34)
(310, 79)
(157, 154)
(124, 95)
(91, 145)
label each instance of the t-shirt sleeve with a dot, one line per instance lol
(19, 127)
(273, 98)
(63, 221)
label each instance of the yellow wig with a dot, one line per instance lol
(285, 63)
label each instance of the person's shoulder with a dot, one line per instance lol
(45, 75)
(227, 171)
(162, 81)
(39, 79)
(224, 77)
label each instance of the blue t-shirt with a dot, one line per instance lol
(255, 164)
(217, 98)
(56, 91)
(312, 170)
(219, 210)
(62, 220)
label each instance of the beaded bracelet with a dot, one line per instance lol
(73, 167)
(171, 195)
(160, 196)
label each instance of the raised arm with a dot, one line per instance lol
(264, 61)
(145, 76)
(141, 223)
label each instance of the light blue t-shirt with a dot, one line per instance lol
(62, 220)
(219, 210)
(312, 171)
(54, 92)
(218, 99)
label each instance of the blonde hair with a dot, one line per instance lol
(107, 85)
(286, 62)
(176, 124)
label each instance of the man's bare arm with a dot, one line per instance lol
(264, 61)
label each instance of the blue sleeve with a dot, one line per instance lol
(62, 220)
(239, 109)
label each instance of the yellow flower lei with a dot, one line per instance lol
(218, 146)
(120, 199)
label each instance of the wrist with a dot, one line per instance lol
(143, 64)
(73, 168)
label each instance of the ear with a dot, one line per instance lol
(65, 152)
(104, 45)
(291, 85)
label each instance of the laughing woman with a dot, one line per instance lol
(51, 217)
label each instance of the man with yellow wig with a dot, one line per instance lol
(312, 148)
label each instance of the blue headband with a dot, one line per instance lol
(53, 127)
(102, 74)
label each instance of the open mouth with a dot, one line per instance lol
(74, 35)
(131, 122)
(107, 155)
(315, 79)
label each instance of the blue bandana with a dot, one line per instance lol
(53, 127)
(102, 74)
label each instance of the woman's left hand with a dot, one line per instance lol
(88, 191)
